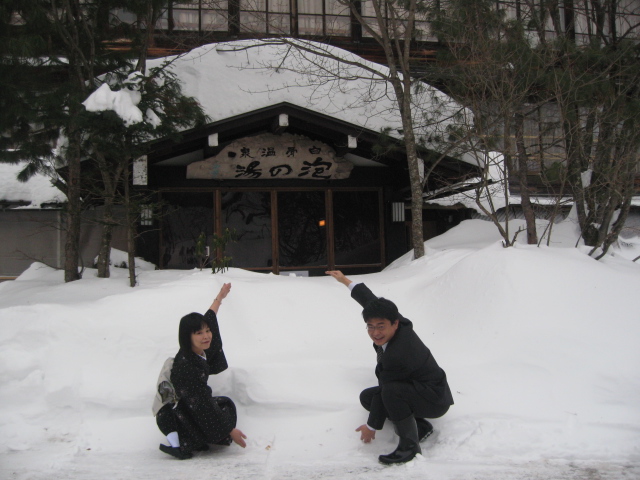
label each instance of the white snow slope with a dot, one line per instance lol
(540, 346)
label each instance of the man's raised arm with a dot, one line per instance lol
(359, 291)
(339, 276)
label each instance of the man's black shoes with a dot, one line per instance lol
(425, 429)
(408, 446)
(175, 452)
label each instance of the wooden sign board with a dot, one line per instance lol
(272, 157)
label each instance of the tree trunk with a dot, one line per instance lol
(104, 256)
(523, 171)
(74, 211)
(131, 228)
(149, 20)
(417, 234)
(111, 177)
(404, 103)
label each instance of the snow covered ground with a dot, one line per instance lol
(540, 346)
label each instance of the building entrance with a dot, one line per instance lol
(277, 230)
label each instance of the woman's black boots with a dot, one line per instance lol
(408, 446)
(177, 452)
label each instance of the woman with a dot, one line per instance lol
(197, 418)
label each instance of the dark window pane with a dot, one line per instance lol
(338, 25)
(249, 214)
(279, 23)
(336, 7)
(301, 231)
(186, 19)
(310, 6)
(279, 6)
(215, 4)
(253, 22)
(356, 228)
(186, 216)
(215, 21)
(310, 24)
(253, 5)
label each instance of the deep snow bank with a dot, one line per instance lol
(539, 345)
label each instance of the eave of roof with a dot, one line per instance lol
(302, 121)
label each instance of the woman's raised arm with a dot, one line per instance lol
(224, 291)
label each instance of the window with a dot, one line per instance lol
(197, 16)
(265, 16)
(323, 17)
(215, 15)
(277, 17)
(186, 16)
(395, 20)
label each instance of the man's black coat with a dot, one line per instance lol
(407, 359)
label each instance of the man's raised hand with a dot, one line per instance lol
(339, 276)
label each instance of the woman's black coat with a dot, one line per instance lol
(202, 418)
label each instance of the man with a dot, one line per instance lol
(411, 385)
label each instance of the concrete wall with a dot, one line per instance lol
(28, 236)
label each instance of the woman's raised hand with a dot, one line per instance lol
(224, 291)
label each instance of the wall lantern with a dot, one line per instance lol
(146, 215)
(322, 223)
(397, 211)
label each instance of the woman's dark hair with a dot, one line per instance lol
(381, 308)
(189, 324)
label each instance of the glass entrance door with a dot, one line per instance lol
(302, 223)
(187, 215)
(248, 214)
(356, 228)
(276, 230)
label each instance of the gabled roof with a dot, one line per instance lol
(242, 84)
(286, 117)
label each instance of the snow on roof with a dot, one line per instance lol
(37, 191)
(234, 78)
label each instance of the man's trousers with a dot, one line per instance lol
(396, 401)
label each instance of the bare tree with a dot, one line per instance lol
(67, 45)
(512, 60)
(64, 55)
(395, 32)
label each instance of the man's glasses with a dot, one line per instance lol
(373, 328)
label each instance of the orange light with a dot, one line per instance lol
(322, 223)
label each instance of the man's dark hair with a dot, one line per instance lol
(381, 308)
(189, 324)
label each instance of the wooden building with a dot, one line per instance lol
(303, 192)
